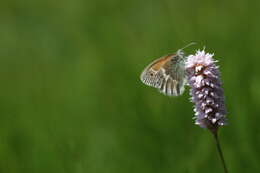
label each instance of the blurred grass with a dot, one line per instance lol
(71, 99)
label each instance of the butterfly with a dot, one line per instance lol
(167, 73)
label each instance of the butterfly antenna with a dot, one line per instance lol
(180, 51)
(188, 45)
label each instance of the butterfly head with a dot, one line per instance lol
(180, 54)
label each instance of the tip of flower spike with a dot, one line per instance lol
(201, 58)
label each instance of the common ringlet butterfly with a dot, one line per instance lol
(167, 73)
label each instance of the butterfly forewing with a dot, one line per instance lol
(166, 74)
(153, 75)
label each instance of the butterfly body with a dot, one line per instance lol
(167, 74)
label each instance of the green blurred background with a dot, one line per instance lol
(71, 98)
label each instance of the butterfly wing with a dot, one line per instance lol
(163, 74)
(153, 74)
(175, 78)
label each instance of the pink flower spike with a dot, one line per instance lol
(208, 97)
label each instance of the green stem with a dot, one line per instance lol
(215, 134)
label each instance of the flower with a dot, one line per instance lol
(206, 92)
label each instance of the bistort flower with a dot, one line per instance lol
(206, 92)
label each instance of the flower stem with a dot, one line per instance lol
(215, 134)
